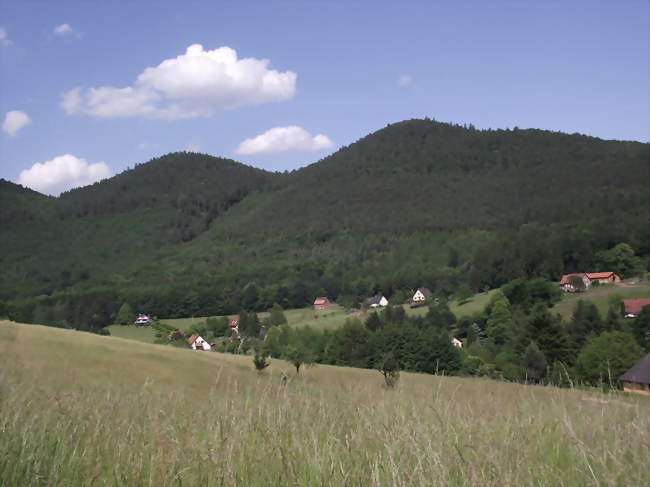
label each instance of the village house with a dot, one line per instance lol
(142, 320)
(321, 303)
(604, 277)
(377, 301)
(588, 278)
(420, 296)
(637, 379)
(198, 343)
(566, 282)
(233, 324)
(456, 343)
(631, 308)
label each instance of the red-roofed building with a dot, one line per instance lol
(604, 277)
(198, 343)
(565, 282)
(632, 307)
(233, 323)
(321, 303)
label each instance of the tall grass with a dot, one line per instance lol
(78, 409)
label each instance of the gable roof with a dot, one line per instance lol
(565, 278)
(375, 299)
(425, 291)
(635, 306)
(639, 373)
(599, 275)
(321, 300)
(193, 338)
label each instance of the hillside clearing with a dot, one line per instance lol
(78, 409)
(330, 319)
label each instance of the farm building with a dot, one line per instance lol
(321, 303)
(637, 379)
(377, 301)
(632, 307)
(566, 282)
(604, 277)
(142, 320)
(198, 343)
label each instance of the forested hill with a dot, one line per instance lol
(421, 174)
(195, 184)
(22, 205)
(416, 203)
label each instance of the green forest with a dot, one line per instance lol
(418, 203)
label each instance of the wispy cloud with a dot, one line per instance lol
(4, 39)
(14, 121)
(405, 80)
(63, 29)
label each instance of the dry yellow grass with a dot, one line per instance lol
(79, 409)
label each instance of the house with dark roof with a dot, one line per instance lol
(632, 307)
(637, 379)
(420, 296)
(377, 301)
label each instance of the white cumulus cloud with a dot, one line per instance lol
(405, 80)
(284, 139)
(62, 173)
(194, 84)
(4, 40)
(14, 121)
(63, 29)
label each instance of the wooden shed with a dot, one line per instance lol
(637, 379)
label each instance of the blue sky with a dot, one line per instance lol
(338, 70)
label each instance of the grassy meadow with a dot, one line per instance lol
(321, 319)
(81, 409)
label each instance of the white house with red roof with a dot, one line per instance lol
(588, 278)
(567, 282)
(198, 343)
(142, 320)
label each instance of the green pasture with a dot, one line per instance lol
(602, 296)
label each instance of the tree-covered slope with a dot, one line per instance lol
(416, 203)
(424, 175)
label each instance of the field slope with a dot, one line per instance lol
(80, 409)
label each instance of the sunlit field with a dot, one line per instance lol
(81, 409)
